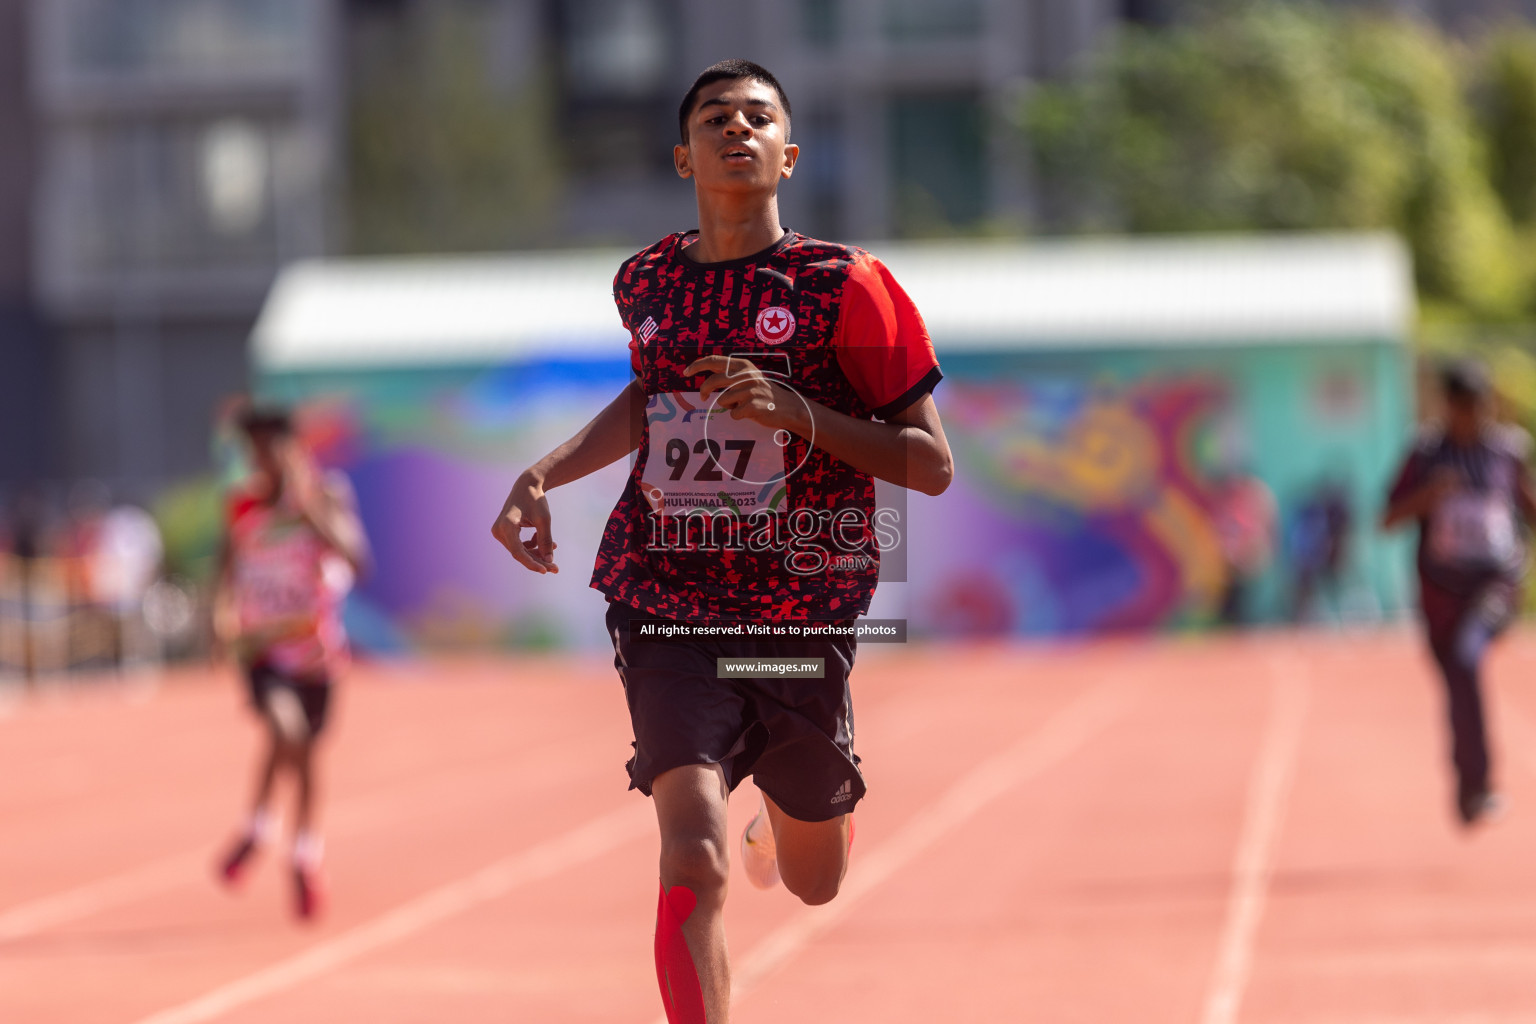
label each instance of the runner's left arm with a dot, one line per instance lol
(1525, 493)
(884, 350)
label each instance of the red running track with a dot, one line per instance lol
(1196, 831)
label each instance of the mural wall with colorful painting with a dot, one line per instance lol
(432, 453)
(1229, 412)
(1103, 490)
(1089, 497)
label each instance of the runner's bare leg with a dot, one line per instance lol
(691, 812)
(266, 774)
(304, 772)
(813, 855)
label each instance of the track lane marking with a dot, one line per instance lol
(96, 897)
(353, 815)
(1269, 790)
(582, 844)
(1063, 734)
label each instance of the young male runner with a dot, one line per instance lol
(1467, 486)
(776, 376)
(292, 544)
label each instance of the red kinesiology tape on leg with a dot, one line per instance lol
(675, 972)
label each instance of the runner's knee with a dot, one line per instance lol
(815, 883)
(816, 889)
(699, 862)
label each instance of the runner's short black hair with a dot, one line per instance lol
(1465, 381)
(729, 70)
(266, 420)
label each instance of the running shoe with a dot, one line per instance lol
(232, 869)
(308, 892)
(759, 856)
(1479, 807)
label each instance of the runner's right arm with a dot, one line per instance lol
(1525, 492)
(612, 434)
(1412, 500)
(226, 622)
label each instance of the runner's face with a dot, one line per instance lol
(1466, 416)
(738, 139)
(266, 455)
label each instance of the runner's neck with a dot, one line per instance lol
(1467, 439)
(732, 230)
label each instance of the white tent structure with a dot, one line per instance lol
(1220, 290)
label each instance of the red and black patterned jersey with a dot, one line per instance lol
(722, 518)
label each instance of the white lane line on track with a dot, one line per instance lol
(95, 897)
(546, 860)
(351, 815)
(1061, 735)
(1253, 863)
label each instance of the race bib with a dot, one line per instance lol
(1472, 527)
(700, 458)
(278, 586)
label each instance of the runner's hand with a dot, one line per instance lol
(749, 393)
(301, 479)
(526, 509)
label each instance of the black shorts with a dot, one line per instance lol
(314, 696)
(795, 736)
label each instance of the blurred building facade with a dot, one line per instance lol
(27, 417)
(895, 105)
(1464, 16)
(184, 150)
(161, 159)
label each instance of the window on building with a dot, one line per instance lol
(183, 37)
(615, 48)
(814, 203)
(820, 23)
(938, 160)
(618, 105)
(1144, 12)
(169, 194)
(916, 21)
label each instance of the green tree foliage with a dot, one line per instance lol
(442, 158)
(190, 521)
(1505, 100)
(1505, 96)
(1285, 116)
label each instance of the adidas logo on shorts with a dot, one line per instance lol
(844, 793)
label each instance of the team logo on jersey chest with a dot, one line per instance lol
(775, 325)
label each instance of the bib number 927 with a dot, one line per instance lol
(699, 457)
(713, 455)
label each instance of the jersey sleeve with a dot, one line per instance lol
(621, 300)
(882, 343)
